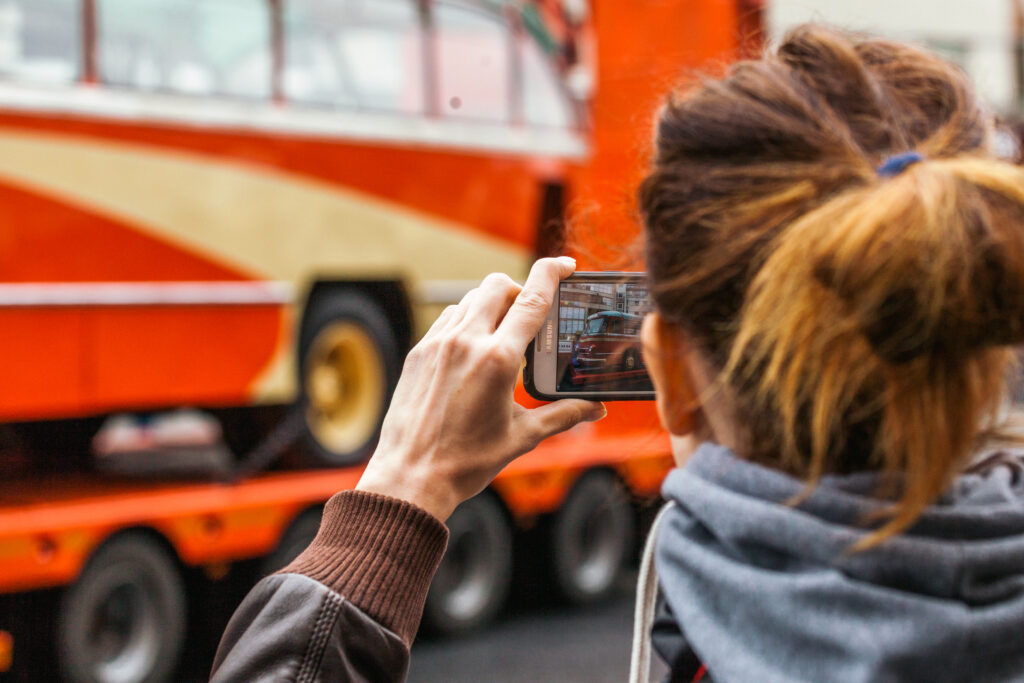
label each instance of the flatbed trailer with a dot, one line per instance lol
(54, 526)
(45, 540)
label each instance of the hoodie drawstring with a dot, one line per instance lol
(643, 612)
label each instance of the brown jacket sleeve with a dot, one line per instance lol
(347, 608)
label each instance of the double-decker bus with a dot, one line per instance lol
(235, 205)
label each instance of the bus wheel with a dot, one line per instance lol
(473, 580)
(591, 538)
(348, 368)
(123, 620)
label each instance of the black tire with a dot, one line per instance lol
(591, 538)
(361, 368)
(473, 580)
(630, 360)
(123, 620)
(299, 534)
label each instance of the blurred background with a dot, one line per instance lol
(222, 225)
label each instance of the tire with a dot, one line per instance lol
(348, 367)
(630, 360)
(591, 538)
(293, 541)
(473, 580)
(123, 620)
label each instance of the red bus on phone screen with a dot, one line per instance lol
(609, 343)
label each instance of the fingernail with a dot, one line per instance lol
(600, 412)
(568, 260)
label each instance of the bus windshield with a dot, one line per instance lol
(597, 325)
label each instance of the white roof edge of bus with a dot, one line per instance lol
(60, 294)
(266, 117)
(618, 313)
(191, 293)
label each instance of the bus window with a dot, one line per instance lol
(473, 62)
(40, 40)
(545, 103)
(193, 47)
(354, 53)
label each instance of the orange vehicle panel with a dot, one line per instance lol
(644, 49)
(42, 368)
(71, 361)
(137, 358)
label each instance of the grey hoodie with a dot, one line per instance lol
(762, 591)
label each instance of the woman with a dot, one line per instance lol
(837, 265)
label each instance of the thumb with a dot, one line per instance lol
(555, 418)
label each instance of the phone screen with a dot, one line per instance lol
(599, 335)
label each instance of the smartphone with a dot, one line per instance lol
(589, 345)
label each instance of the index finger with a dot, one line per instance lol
(531, 306)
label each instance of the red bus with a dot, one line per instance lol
(609, 345)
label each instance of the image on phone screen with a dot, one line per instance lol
(599, 336)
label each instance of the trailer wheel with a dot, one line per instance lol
(591, 538)
(473, 580)
(349, 365)
(123, 620)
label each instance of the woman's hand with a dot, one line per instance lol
(453, 424)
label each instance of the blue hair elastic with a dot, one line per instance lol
(898, 163)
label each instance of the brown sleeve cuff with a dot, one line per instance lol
(379, 553)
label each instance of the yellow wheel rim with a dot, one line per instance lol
(345, 378)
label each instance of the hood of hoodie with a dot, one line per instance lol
(765, 591)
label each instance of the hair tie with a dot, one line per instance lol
(898, 163)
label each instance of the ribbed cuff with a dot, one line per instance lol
(379, 553)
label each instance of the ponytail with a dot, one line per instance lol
(889, 309)
(859, 320)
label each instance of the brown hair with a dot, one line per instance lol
(858, 321)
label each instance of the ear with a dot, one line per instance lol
(665, 349)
